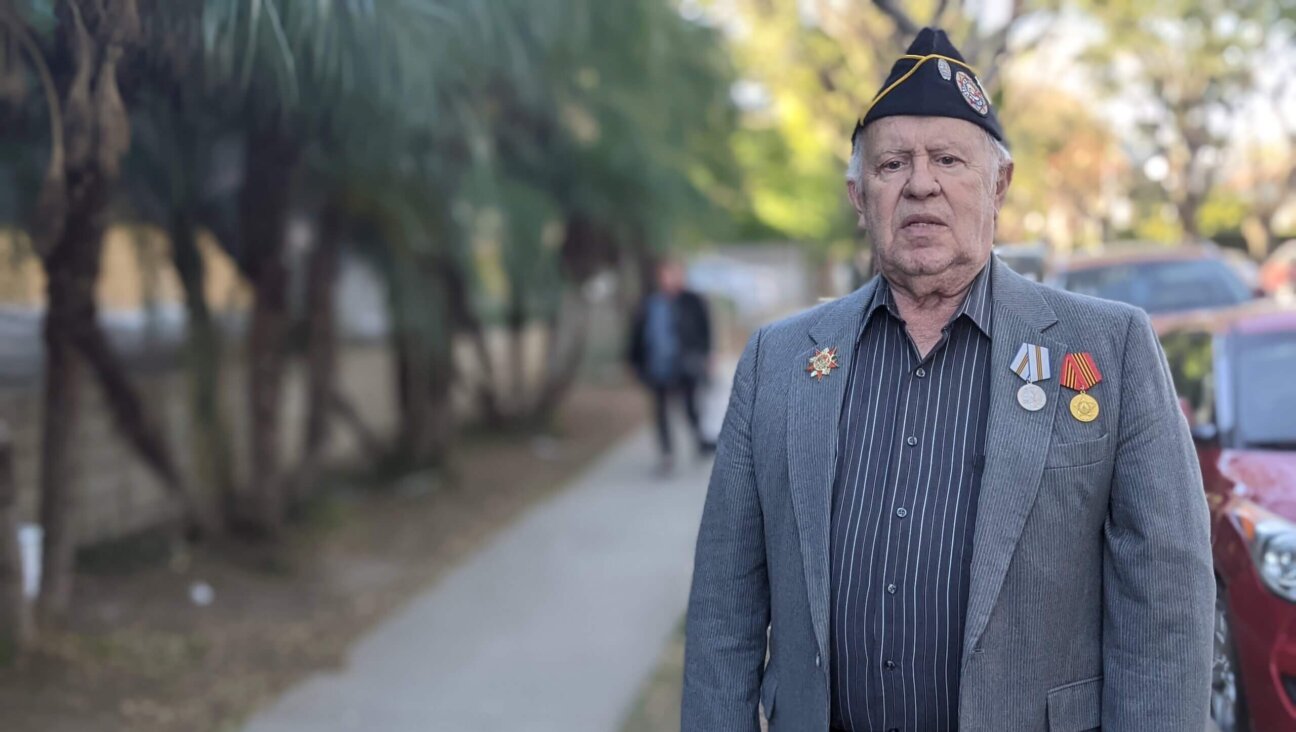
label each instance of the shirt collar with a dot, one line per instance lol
(977, 305)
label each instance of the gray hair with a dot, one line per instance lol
(855, 171)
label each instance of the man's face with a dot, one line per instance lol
(929, 193)
(670, 278)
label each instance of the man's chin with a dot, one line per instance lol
(925, 266)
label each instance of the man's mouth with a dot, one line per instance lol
(921, 222)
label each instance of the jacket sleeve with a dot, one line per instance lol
(704, 324)
(634, 352)
(729, 608)
(1158, 582)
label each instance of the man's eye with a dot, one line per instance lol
(946, 160)
(892, 165)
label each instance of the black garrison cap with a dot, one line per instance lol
(932, 80)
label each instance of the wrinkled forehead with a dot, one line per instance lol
(921, 134)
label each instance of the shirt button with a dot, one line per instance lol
(891, 665)
(817, 662)
(921, 372)
(902, 512)
(911, 441)
(891, 589)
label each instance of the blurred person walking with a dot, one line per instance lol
(670, 352)
(955, 499)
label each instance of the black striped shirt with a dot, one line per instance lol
(911, 449)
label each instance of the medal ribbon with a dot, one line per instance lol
(1079, 372)
(1031, 363)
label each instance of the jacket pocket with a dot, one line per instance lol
(767, 695)
(1076, 707)
(1073, 454)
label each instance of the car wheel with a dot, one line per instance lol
(1228, 703)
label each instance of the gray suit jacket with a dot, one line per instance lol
(1092, 593)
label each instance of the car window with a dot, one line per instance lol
(1162, 287)
(1027, 264)
(1266, 391)
(1190, 355)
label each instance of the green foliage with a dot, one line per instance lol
(1222, 213)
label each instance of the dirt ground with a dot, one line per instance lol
(140, 655)
(658, 706)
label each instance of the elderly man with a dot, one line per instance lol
(955, 499)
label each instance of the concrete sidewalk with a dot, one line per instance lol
(553, 627)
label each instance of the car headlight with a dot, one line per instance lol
(1273, 547)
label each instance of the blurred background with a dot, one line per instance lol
(313, 319)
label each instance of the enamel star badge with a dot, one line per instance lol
(822, 363)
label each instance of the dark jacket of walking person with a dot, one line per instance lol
(670, 352)
(954, 499)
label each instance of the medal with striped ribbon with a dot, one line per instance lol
(1032, 364)
(1079, 372)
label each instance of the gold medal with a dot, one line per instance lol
(1084, 407)
(1080, 372)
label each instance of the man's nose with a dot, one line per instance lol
(922, 182)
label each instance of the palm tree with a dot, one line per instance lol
(74, 50)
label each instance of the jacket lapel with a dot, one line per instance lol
(813, 411)
(1017, 441)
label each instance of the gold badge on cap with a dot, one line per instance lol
(1032, 364)
(822, 363)
(1079, 372)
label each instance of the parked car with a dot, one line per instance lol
(1278, 273)
(1158, 279)
(1234, 370)
(1247, 269)
(1028, 260)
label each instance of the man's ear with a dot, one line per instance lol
(856, 196)
(1002, 182)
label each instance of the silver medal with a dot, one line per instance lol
(1031, 397)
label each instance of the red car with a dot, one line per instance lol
(1278, 273)
(1235, 371)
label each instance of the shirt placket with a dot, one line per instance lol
(910, 431)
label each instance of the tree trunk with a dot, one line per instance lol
(15, 612)
(516, 323)
(568, 336)
(321, 347)
(424, 369)
(263, 208)
(211, 441)
(71, 267)
(349, 416)
(1187, 209)
(465, 319)
(90, 132)
(61, 410)
(414, 382)
(410, 393)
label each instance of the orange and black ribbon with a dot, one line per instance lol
(1079, 372)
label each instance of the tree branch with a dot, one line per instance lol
(937, 16)
(53, 195)
(905, 28)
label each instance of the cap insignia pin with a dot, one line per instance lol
(972, 93)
